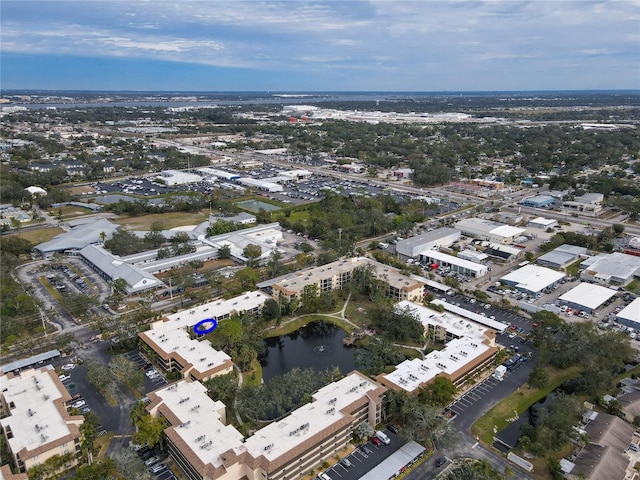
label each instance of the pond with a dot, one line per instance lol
(255, 206)
(317, 345)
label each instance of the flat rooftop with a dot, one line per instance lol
(533, 278)
(36, 420)
(279, 438)
(587, 294)
(631, 312)
(428, 237)
(460, 262)
(463, 312)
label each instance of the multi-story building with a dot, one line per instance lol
(200, 441)
(35, 420)
(336, 275)
(173, 344)
(469, 347)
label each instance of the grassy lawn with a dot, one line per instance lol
(40, 235)
(169, 220)
(254, 377)
(634, 286)
(518, 401)
(299, 216)
(292, 326)
(69, 211)
(572, 269)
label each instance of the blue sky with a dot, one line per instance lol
(297, 45)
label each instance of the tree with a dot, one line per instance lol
(440, 392)
(149, 430)
(618, 229)
(271, 310)
(126, 372)
(130, 466)
(538, 377)
(248, 279)
(224, 253)
(252, 252)
(274, 265)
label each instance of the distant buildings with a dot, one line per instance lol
(562, 256)
(532, 279)
(414, 246)
(611, 268)
(587, 204)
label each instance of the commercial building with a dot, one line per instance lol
(562, 256)
(173, 344)
(630, 315)
(611, 268)
(474, 317)
(537, 201)
(264, 185)
(296, 175)
(111, 267)
(473, 255)
(265, 236)
(78, 237)
(456, 264)
(414, 246)
(543, 223)
(586, 297)
(469, 347)
(177, 177)
(218, 174)
(334, 276)
(587, 204)
(532, 279)
(499, 252)
(488, 230)
(285, 449)
(35, 421)
(402, 172)
(242, 218)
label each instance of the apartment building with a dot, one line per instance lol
(35, 420)
(200, 441)
(338, 274)
(469, 347)
(173, 345)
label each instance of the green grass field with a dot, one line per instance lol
(40, 235)
(169, 220)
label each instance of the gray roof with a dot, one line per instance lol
(113, 267)
(78, 237)
(428, 237)
(27, 362)
(240, 217)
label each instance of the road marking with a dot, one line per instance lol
(475, 445)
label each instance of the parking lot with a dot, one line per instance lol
(151, 381)
(364, 458)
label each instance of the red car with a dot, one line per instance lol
(513, 327)
(536, 324)
(77, 396)
(376, 441)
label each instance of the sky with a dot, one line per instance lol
(304, 46)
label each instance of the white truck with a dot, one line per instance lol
(499, 373)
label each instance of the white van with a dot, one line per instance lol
(323, 476)
(383, 437)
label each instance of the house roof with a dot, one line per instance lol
(78, 237)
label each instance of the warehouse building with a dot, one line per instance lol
(630, 315)
(488, 230)
(499, 252)
(611, 268)
(35, 421)
(473, 256)
(469, 347)
(586, 297)
(177, 177)
(263, 185)
(285, 449)
(456, 264)
(543, 223)
(77, 237)
(532, 279)
(562, 256)
(587, 204)
(414, 246)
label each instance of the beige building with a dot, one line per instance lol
(336, 275)
(173, 345)
(35, 420)
(205, 447)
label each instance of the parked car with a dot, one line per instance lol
(79, 404)
(85, 410)
(68, 367)
(346, 463)
(392, 428)
(367, 450)
(151, 373)
(440, 462)
(64, 378)
(151, 460)
(376, 441)
(77, 396)
(158, 468)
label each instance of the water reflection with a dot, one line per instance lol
(317, 345)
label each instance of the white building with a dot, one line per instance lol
(200, 441)
(35, 420)
(265, 236)
(586, 297)
(469, 347)
(611, 268)
(532, 279)
(630, 315)
(264, 185)
(456, 264)
(176, 177)
(473, 256)
(543, 223)
(414, 246)
(488, 230)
